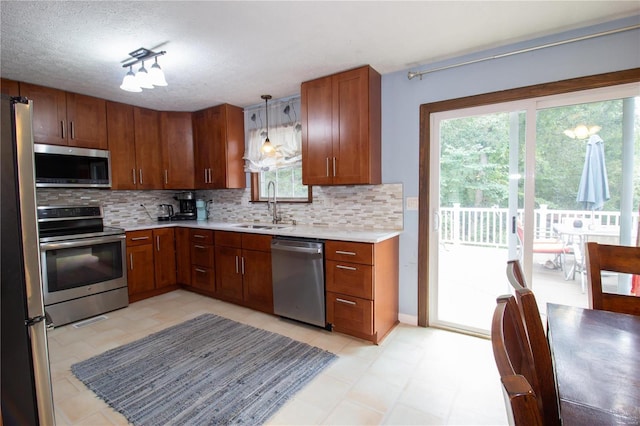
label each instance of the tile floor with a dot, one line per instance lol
(417, 376)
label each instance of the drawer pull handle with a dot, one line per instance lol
(131, 261)
(202, 271)
(139, 238)
(199, 247)
(348, 253)
(348, 302)
(348, 268)
(199, 236)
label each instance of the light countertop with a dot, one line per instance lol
(305, 231)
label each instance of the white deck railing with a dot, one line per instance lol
(490, 226)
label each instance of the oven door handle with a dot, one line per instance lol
(57, 245)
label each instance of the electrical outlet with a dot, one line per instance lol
(412, 203)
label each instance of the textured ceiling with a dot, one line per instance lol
(234, 51)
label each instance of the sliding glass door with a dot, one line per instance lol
(505, 183)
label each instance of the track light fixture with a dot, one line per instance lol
(144, 79)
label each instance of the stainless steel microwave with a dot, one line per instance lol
(71, 167)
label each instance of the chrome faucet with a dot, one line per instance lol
(273, 208)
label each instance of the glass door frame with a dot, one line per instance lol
(526, 93)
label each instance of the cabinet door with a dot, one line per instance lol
(140, 273)
(164, 257)
(202, 137)
(183, 256)
(49, 113)
(351, 315)
(317, 132)
(258, 288)
(229, 273)
(9, 87)
(227, 164)
(122, 146)
(87, 118)
(351, 126)
(148, 148)
(177, 150)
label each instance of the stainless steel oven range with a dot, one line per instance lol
(83, 262)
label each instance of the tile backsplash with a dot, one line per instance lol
(362, 206)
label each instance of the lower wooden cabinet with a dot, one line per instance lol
(151, 262)
(183, 256)
(202, 260)
(243, 269)
(362, 287)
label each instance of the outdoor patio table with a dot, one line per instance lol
(595, 363)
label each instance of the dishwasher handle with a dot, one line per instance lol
(275, 245)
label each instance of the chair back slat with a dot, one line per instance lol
(515, 275)
(511, 347)
(520, 400)
(541, 355)
(621, 259)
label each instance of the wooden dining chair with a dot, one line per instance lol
(621, 259)
(522, 406)
(541, 354)
(512, 351)
(515, 275)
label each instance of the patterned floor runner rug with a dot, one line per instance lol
(209, 370)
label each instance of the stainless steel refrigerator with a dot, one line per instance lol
(24, 370)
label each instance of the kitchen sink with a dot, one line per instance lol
(260, 226)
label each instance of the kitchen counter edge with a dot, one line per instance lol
(302, 231)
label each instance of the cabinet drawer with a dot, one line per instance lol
(256, 242)
(202, 255)
(203, 278)
(348, 313)
(138, 238)
(344, 251)
(228, 239)
(201, 236)
(353, 279)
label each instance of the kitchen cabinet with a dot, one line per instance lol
(218, 134)
(341, 122)
(183, 256)
(140, 272)
(63, 118)
(176, 135)
(202, 260)
(243, 269)
(9, 87)
(164, 257)
(362, 287)
(151, 257)
(136, 155)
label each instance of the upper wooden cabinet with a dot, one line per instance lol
(9, 87)
(177, 150)
(62, 118)
(134, 143)
(341, 122)
(218, 134)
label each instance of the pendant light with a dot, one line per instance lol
(129, 82)
(143, 79)
(156, 74)
(267, 147)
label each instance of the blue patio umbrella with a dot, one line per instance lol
(594, 185)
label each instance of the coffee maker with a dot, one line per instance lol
(187, 200)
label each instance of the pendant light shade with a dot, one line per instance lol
(143, 79)
(129, 82)
(156, 75)
(267, 147)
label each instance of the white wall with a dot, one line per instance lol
(401, 100)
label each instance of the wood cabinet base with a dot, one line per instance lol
(151, 293)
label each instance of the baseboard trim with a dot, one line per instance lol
(408, 319)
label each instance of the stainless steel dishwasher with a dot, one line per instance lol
(298, 279)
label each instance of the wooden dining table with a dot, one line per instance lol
(596, 361)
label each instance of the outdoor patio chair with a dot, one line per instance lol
(515, 275)
(555, 247)
(620, 259)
